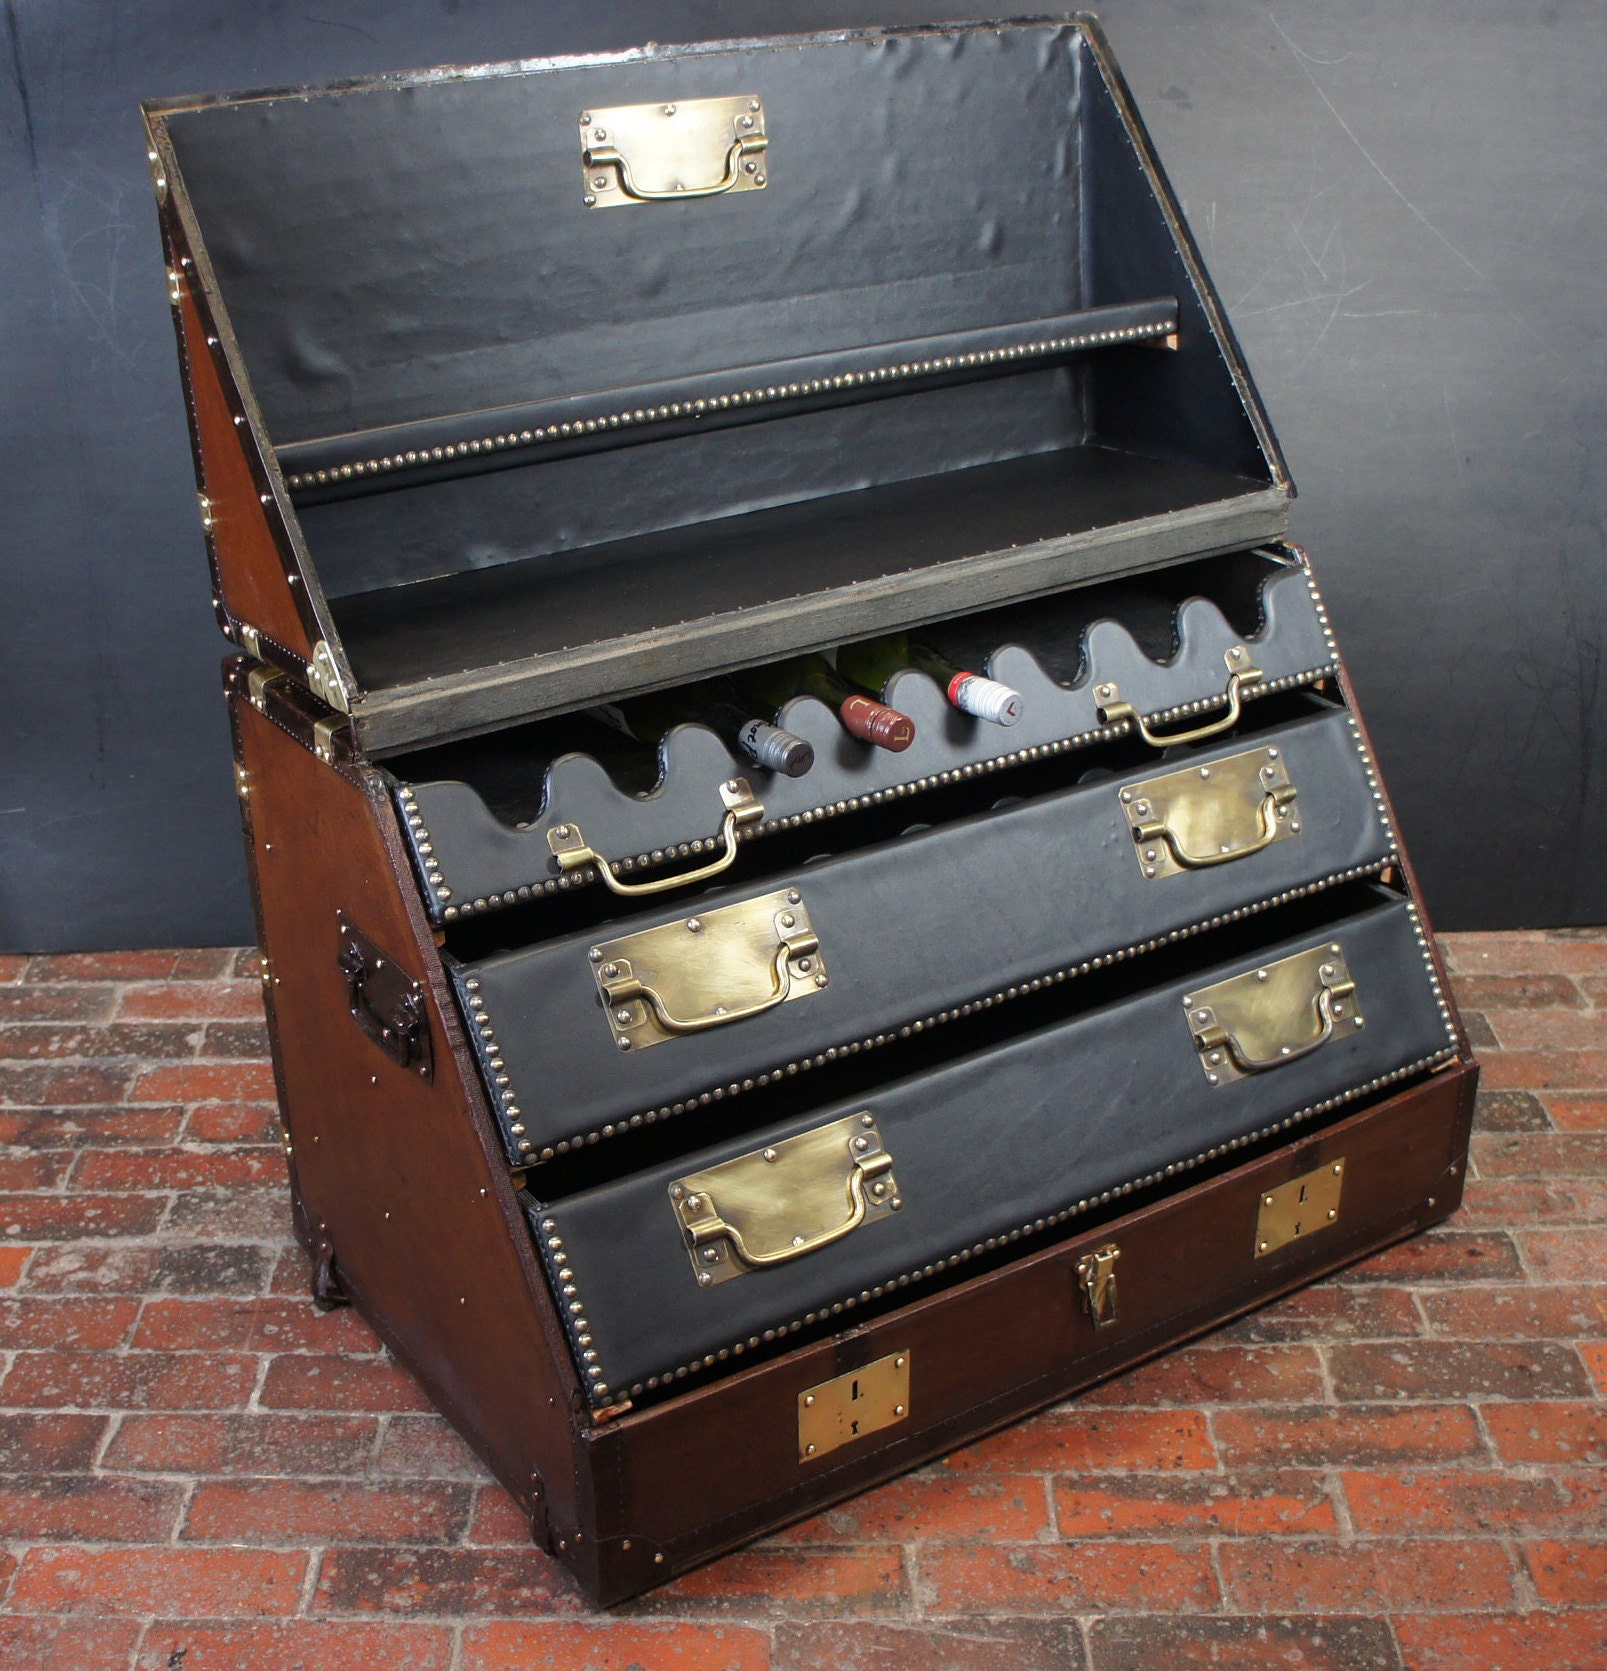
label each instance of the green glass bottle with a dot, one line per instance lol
(862, 716)
(716, 705)
(873, 661)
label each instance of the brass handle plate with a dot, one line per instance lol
(1211, 815)
(1242, 674)
(665, 153)
(709, 970)
(572, 851)
(846, 1408)
(1273, 1015)
(785, 1201)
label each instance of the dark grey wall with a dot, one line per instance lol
(1400, 204)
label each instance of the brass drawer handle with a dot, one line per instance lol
(666, 153)
(1211, 1037)
(701, 972)
(786, 1201)
(748, 145)
(1262, 1020)
(1241, 675)
(1267, 833)
(628, 987)
(1213, 814)
(572, 851)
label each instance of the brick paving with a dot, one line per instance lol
(1400, 1468)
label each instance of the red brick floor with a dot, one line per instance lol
(1400, 1468)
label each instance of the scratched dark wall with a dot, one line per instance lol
(1400, 204)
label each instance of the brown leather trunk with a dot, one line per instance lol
(407, 1208)
(437, 526)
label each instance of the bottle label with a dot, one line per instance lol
(985, 698)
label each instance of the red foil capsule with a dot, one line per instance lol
(875, 722)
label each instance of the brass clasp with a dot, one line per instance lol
(1211, 815)
(785, 1201)
(1096, 1276)
(709, 970)
(1273, 1015)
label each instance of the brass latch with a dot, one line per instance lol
(1096, 1276)
(1300, 1207)
(1211, 815)
(708, 970)
(847, 1408)
(261, 680)
(1276, 1014)
(1242, 673)
(785, 1201)
(571, 850)
(651, 153)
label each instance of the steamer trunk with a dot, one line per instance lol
(640, 1099)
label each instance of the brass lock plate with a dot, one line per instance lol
(863, 1401)
(1273, 1015)
(786, 1200)
(1212, 814)
(1299, 1208)
(708, 969)
(686, 148)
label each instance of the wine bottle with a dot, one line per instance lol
(873, 661)
(861, 716)
(714, 704)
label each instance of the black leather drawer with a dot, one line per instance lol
(986, 1150)
(470, 860)
(908, 933)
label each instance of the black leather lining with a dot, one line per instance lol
(991, 1147)
(399, 257)
(909, 930)
(401, 252)
(375, 460)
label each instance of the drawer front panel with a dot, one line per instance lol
(926, 1173)
(471, 862)
(908, 931)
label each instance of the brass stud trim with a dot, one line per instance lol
(633, 417)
